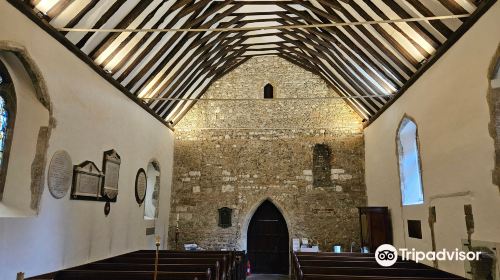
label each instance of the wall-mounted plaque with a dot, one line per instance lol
(140, 186)
(225, 217)
(107, 208)
(87, 181)
(111, 168)
(60, 174)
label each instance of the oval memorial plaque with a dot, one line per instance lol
(60, 174)
(140, 186)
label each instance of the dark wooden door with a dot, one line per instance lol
(375, 227)
(267, 241)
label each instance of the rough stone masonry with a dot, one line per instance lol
(236, 154)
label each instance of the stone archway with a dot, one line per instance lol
(268, 240)
(248, 217)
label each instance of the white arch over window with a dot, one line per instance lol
(410, 173)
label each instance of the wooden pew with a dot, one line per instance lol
(128, 275)
(380, 271)
(349, 254)
(337, 258)
(219, 273)
(355, 263)
(227, 258)
(151, 267)
(172, 265)
(347, 266)
(355, 277)
(241, 265)
(229, 255)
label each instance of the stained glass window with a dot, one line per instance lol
(3, 127)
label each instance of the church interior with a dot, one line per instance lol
(235, 139)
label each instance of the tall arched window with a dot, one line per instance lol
(151, 201)
(7, 117)
(409, 163)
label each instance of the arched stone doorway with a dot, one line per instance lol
(268, 240)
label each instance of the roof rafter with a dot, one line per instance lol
(372, 61)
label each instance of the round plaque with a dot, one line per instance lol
(107, 208)
(60, 174)
(140, 186)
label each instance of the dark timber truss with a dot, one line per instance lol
(377, 60)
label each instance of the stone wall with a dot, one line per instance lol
(236, 154)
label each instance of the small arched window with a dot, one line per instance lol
(7, 117)
(268, 91)
(151, 201)
(409, 163)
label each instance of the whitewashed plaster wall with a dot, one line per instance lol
(449, 105)
(92, 116)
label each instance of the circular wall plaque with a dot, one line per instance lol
(60, 174)
(107, 208)
(140, 186)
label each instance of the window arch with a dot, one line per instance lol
(7, 118)
(268, 91)
(151, 201)
(409, 163)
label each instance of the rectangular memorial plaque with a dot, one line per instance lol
(111, 165)
(87, 180)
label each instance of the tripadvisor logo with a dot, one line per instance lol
(387, 255)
